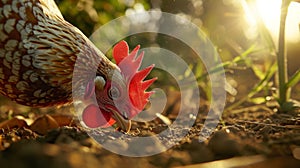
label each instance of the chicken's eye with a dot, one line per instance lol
(114, 93)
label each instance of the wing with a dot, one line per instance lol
(33, 38)
(38, 51)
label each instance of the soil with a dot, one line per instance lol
(250, 137)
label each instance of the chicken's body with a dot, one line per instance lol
(38, 51)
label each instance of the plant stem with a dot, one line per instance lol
(281, 55)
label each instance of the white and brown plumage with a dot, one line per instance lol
(38, 51)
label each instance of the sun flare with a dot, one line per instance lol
(269, 12)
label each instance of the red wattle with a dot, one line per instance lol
(93, 117)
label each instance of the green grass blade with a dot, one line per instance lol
(257, 88)
(294, 80)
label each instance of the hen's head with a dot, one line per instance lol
(121, 97)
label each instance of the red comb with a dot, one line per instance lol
(129, 65)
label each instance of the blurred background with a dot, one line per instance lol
(244, 33)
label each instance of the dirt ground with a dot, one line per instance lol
(251, 137)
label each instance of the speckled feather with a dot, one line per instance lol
(38, 50)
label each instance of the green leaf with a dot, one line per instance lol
(188, 71)
(260, 74)
(264, 81)
(294, 80)
(248, 51)
(258, 100)
(199, 70)
(244, 55)
(257, 88)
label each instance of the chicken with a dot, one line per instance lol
(38, 54)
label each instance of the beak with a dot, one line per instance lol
(121, 121)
